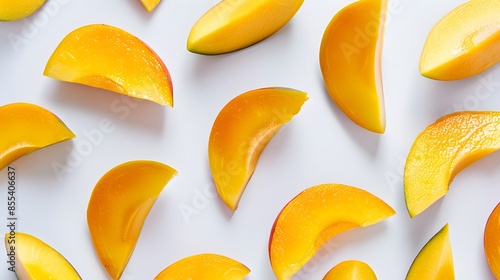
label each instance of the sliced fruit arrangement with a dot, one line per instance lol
(456, 48)
(435, 260)
(492, 241)
(232, 25)
(315, 216)
(351, 270)
(444, 149)
(110, 58)
(25, 128)
(118, 207)
(241, 131)
(205, 267)
(13, 10)
(36, 260)
(150, 5)
(350, 59)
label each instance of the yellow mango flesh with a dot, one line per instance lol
(118, 207)
(36, 260)
(314, 217)
(435, 260)
(14, 10)
(25, 128)
(442, 150)
(492, 241)
(110, 58)
(242, 130)
(150, 5)
(350, 59)
(351, 270)
(235, 24)
(205, 267)
(464, 43)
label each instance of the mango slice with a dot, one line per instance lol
(456, 48)
(25, 128)
(205, 267)
(350, 59)
(241, 131)
(150, 5)
(110, 58)
(232, 25)
(351, 270)
(435, 260)
(36, 260)
(444, 149)
(118, 207)
(315, 216)
(492, 241)
(14, 10)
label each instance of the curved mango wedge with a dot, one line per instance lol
(25, 128)
(350, 59)
(150, 5)
(444, 149)
(232, 25)
(458, 48)
(435, 260)
(110, 58)
(492, 241)
(315, 216)
(13, 10)
(241, 131)
(205, 267)
(351, 270)
(35, 260)
(118, 207)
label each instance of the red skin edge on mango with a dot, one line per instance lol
(165, 69)
(274, 225)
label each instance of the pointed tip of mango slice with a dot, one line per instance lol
(34, 259)
(16, 10)
(351, 270)
(150, 5)
(110, 58)
(118, 207)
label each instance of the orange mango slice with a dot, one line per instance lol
(110, 58)
(25, 128)
(351, 270)
(14, 10)
(492, 241)
(150, 5)
(435, 260)
(315, 216)
(232, 25)
(241, 131)
(444, 149)
(205, 267)
(350, 59)
(36, 260)
(118, 207)
(456, 48)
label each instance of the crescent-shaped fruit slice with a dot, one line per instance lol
(205, 267)
(492, 241)
(118, 207)
(444, 149)
(110, 58)
(25, 128)
(456, 48)
(150, 5)
(315, 216)
(351, 270)
(34, 259)
(350, 59)
(232, 25)
(435, 260)
(13, 10)
(241, 131)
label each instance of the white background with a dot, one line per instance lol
(320, 145)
